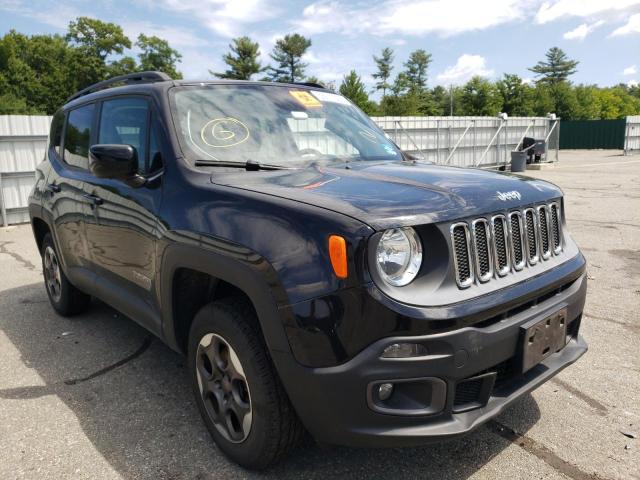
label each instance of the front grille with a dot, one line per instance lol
(517, 240)
(503, 244)
(500, 242)
(462, 254)
(481, 239)
(531, 235)
(545, 241)
(555, 227)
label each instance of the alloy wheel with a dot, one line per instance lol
(52, 275)
(223, 388)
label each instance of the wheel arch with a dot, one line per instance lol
(236, 271)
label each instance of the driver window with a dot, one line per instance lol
(125, 121)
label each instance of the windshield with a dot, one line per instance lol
(274, 125)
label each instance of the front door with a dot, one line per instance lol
(122, 240)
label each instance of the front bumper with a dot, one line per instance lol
(332, 401)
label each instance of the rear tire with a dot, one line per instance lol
(66, 299)
(253, 424)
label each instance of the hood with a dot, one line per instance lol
(393, 194)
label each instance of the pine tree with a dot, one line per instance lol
(288, 54)
(353, 88)
(242, 60)
(384, 64)
(556, 69)
(416, 70)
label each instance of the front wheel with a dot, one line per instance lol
(238, 392)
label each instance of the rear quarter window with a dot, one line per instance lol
(55, 137)
(77, 136)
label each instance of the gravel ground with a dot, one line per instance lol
(96, 397)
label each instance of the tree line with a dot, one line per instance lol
(38, 72)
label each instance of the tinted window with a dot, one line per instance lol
(77, 136)
(154, 164)
(125, 121)
(55, 138)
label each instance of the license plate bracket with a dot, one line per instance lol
(541, 338)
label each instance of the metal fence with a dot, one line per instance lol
(459, 141)
(632, 135)
(23, 141)
(470, 141)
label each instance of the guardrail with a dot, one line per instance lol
(484, 142)
(632, 135)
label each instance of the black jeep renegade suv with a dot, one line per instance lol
(316, 277)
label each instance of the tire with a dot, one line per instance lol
(66, 299)
(226, 334)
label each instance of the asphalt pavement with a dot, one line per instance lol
(95, 396)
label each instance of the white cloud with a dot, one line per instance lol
(176, 37)
(631, 70)
(632, 26)
(554, 10)
(581, 31)
(228, 18)
(466, 67)
(632, 83)
(54, 15)
(410, 17)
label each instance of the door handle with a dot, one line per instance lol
(53, 188)
(94, 199)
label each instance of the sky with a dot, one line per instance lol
(465, 37)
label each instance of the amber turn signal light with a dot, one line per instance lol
(338, 255)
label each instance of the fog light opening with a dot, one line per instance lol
(404, 350)
(384, 391)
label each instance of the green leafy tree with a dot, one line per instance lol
(95, 41)
(98, 38)
(517, 96)
(156, 54)
(416, 70)
(353, 88)
(543, 103)
(39, 71)
(564, 100)
(557, 68)
(287, 54)
(480, 97)
(242, 60)
(384, 67)
(123, 66)
(588, 102)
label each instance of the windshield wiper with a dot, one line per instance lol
(249, 165)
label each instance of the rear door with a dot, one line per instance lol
(64, 201)
(122, 241)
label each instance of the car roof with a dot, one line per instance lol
(162, 86)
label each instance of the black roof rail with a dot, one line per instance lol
(310, 84)
(128, 79)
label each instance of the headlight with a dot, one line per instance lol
(399, 256)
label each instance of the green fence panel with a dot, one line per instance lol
(590, 134)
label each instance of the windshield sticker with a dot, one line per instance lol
(300, 115)
(305, 99)
(330, 97)
(224, 132)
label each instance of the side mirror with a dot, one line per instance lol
(119, 162)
